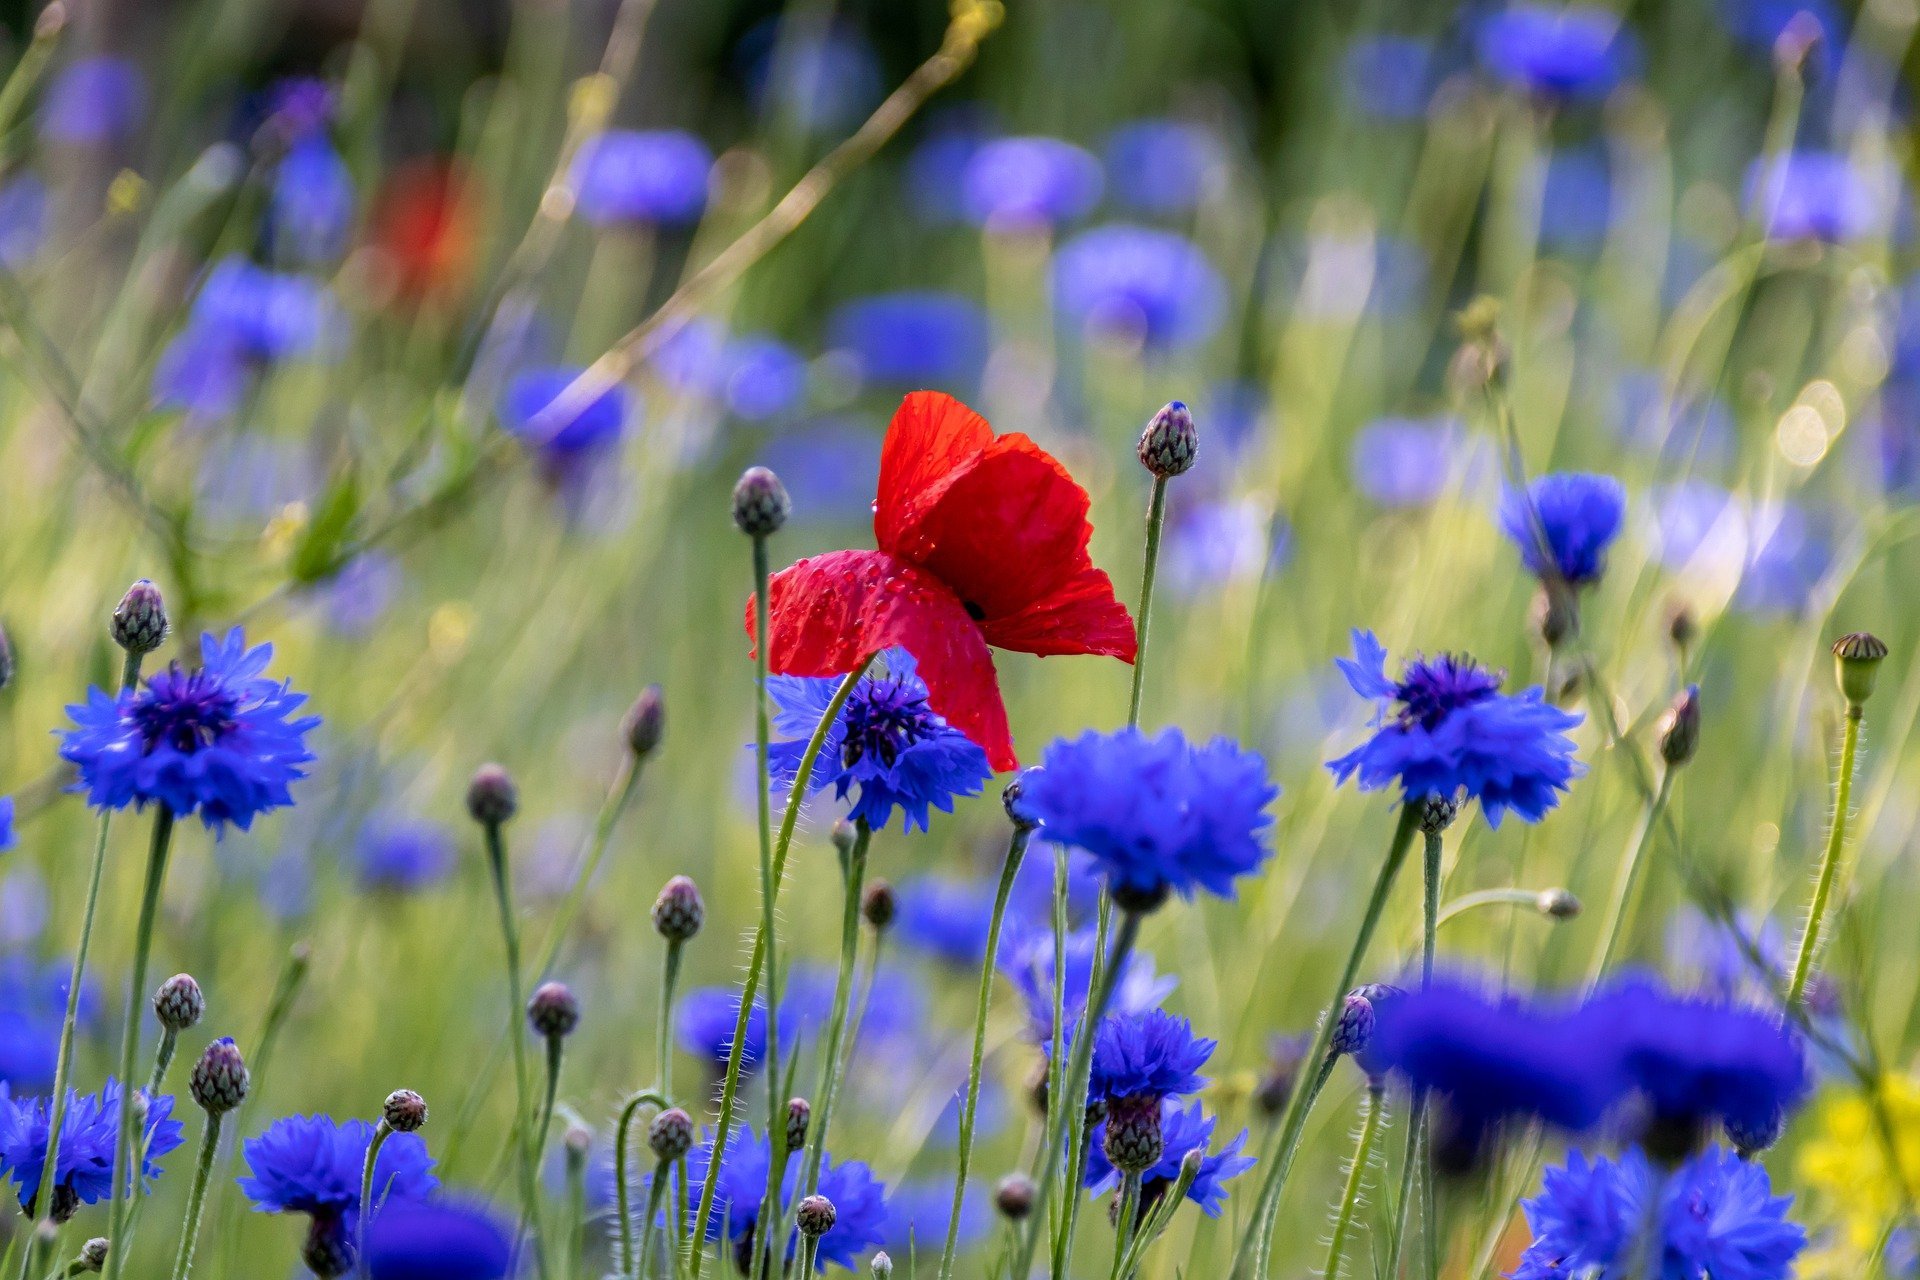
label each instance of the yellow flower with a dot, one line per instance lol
(1844, 1164)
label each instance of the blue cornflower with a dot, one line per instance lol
(708, 1016)
(1026, 958)
(1165, 166)
(912, 339)
(1392, 77)
(1158, 814)
(1576, 200)
(887, 742)
(824, 77)
(596, 426)
(435, 1240)
(1820, 195)
(831, 467)
(310, 212)
(1727, 958)
(946, 917)
(1214, 544)
(1030, 181)
(1791, 550)
(23, 220)
(33, 1003)
(94, 101)
(655, 176)
(1153, 286)
(397, 855)
(1580, 516)
(917, 1214)
(1717, 1217)
(1407, 462)
(6, 823)
(764, 377)
(312, 1165)
(1455, 731)
(88, 1135)
(244, 318)
(356, 598)
(859, 1200)
(1181, 1130)
(1576, 52)
(1153, 1054)
(221, 741)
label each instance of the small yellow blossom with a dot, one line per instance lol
(1850, 1183)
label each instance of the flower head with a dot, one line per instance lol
(399, 855)
(1578, 52)
(6, 823)
(1579, 516)
(1146, 1055)
(913, 338)
(982, 541)
(88, 1135)
(1157, 814)
(1407, 462)
(33, 1001)
(1182, 1130)
(312, 1165)
(1027, 960)
(596, 426)
(630, 176)
(438, 1240)
(1153, 286)
(1165, 166)
(310, 213)
(859, 1199)
(1030, 181)
(94, 101)
(1821, 196)
(1455, 731)
(221, 741)
(887, 742)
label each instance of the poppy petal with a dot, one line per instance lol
(828, 612)
(1081, 616)
(931, 438)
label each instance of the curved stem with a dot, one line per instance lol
(835, 1046)
(127, 1187)
(197, 1198)
(1829, 863)
(516, 1009)
(381, 1131)
(1016, 850)
(1129, 1209)
(1629, 878)
(556, 1049)
(1371, 1108)
(1156, 517)
(622, 1138)
(731, 1082)
(1307, 1088)
(162, 1059)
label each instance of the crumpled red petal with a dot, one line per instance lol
(830, 611)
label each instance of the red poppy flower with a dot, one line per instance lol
(983, 542)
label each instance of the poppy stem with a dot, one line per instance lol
(127, 1178)
(837, 1043)
(1016, 850)
(1829, 863)
(1156, 518)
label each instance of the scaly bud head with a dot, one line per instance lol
(670, 1136)
(679, 912)
(178, 1003)
(1135, 1141)
(553, 1011)
(93, 1255)
(1857, 658)
(799, 1119)
(644, 721)
(760, 503)
(815, 1216)
(1437, 813)
(491, 796)
(1353, 1029)
(139, 622)
(1170, 444)
(219, 1080)
(405, 1111)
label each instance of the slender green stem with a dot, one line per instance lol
(162, 1059)
(1076, 1119)
(769, 893)
(633, 1264)
(663, 1033)
(1628, 880)
(619, 795)
(197, 1197)
(1129, 1209)
(1371, 1107)
(1079, 1060)
(125, 1191)
(1430, 918)
(556, 1050)
(573, 1241)
(1156, 517)
(1016, 850)
(1307, 1087)
(63, 1060)
(730, 1084)
(1829, 863)
(1161, 1217)
(835, 1046)
(1489, 898)
(1430, 904)
(627, 1262)
(381, 1131)
(1415, 1150)
(516, 1010)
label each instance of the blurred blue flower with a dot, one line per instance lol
(571, 443)
(1698, 432)
(439, 1240)
(299, 106)
(244, 317)
(1152, 1054)
(1407, 462)
(33, 1003)
(1580, 516)
(1759, 23)
(831, 467)
(1026, 958)
(1696, 519)
(656, 176)
(402, 855)
(708, 1016)
(1164, 166)
(1030, 182)
(1217, 544)
(310, 211)
(1234, 414)
(823, 77)
(1717, 1217)
(1576, 200)
(1714, 953)
(88, 1135)
(92, 101)
(1151, 285)
(6, 823)
(220, 741)
(1578, 52)
(23, 220)
(1392, 77)
(936, 170)
(886, 741)
(913, 339)
(917, 1214)
(765, 377)
(313, 1165)
(1159, 814)
(1342, 272)
(1787, 562)
(859, 1199)
(1820, 195)
(354, 600)
(1456, 732)
(946, 917)
(1182, 1130)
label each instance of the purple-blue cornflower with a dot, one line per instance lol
(23, 220)
(946, 917)
(1158, 814)
(244, 318)
(354, 600)
(887, 744)
(1445, 728)
(1391, 77)
(33, 1002)
(708, 1016)
(1026, 958)
(592, 428)
(917, 1214)
(1791, 551)
(1574, 53)
(313, 1165)
(1820, 195)
(1164, 166)
(88, 1136)
(6, 823)
(1579, 517)
(1182, 1129)
(310, 212)
(1407, 462)
(1717, 1216)
(400, 855)
(1576, 200)
(1034, 181)
(221, 741)
(822, 75)
(439, 1240)
(1217, 543)
(1152, 1054)
(831, 467)
(1151, 286)
(94, 101)
(656, 177)
(912, 339)
(859, 1200)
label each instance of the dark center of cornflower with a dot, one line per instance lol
(1433, 689)
(884, 718)
(183, 711)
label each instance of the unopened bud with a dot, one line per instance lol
(553, 1011)
(1680, 727)
(1557, 904)
(670, 1136)
(219, 1080)
(1857, 658)
(405, 1111)
(1170, 444)
(1353, 1029)
(491, 796)
(882, 1266)
(93, 1255)
(178, 1003)
(1013, 797)
(140, 619)
(799, 1119)
(644, 722)
(842, 835)
(1014, 1197)
(815, 1216)
(679, 912)
(879, 905)
(1682, 627)
(1437, 813)
(760, 503)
